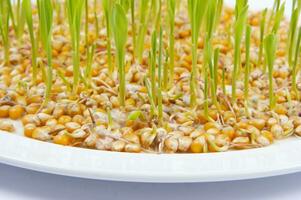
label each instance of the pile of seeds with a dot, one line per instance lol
(150, 76)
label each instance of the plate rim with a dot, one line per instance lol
(134, 175)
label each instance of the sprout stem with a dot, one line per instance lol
(262, 31)
(295, 63)
(28, 15)
(107, 6)
(247, 68)
(239, 28)
(120, 32)
(171, 18)
(270, 45)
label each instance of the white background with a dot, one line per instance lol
(21, 184)
(16, 183)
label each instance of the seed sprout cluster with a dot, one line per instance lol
(150, 75)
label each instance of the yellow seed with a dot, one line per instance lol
(118, 145)
(4, 111)
(184, 143)
(62, 139)
(197, 146)
(280, 109)
(268, 135)
(71, 126)
(228, 131)
(28, 129)
(5, 125)
(132, 148)
(32, 108)
(171, 144)
(213, 131)
(41, 133)
(258, 123)
(16, 112)
(64, 119)
(277, 131)
(131, 137)
(209, 125)
(78, 119)
(271, 122)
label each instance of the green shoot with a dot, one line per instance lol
(262, 30)
(107, 6)
(295, 63)
(74, 10)
(120, 32)
(134, 115)
(270, 45)
(278, 17)
(239, 6)
(4, 28)
(28, 16)
(196, 10)
(87, 24)
(144, 8)
(152, 69)
(88, 70)
(20, 17)
(65, 81)
(160, 106)
(171, 19)
(158, 14)
(238, 32)
(223, 81)
(45, 22)
(276, 6)
(58, 10)
(293, 32)
(133, 26)
(206, 88)
(96, 20)
(219, 8)
(147, 84)
(247, 67)
(165, 71)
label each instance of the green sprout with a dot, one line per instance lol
(96, 20)
(28, 16)
(196, 10)
(171, 4)
(262, 30)
(239, 6)
(107, 6)
(4, 28)
(293, 31)
(74, 10)
(45, 22)
(152, 58)
(240, 24)
(278, 17)
(247, 67)
(295, 63)
(143, 13)
(18, 19)
(223, 81)
(133, 26)
(120, 32)
(270, 45)
(151, 97)
(276, 7)
(160, 105)
(88, 70)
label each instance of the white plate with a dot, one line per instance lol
(281, 158)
